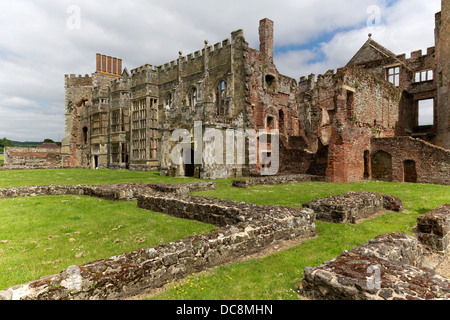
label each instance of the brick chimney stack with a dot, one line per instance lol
(108, 65)
(266, 38)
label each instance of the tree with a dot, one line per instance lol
(49, 141)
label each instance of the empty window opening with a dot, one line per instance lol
(281, 121)
(85, 135)
(192, 98)
(270, 123)
(426, 75)
(426, 112)
(168, 102)
(221, 91)
(393, 76)
(270, 80)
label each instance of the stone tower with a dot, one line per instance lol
(443, 74)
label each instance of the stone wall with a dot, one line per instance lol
(352, 206)
(125, 191)
(274, 180)
(244, 229)
(388, 267)
(434, 229)
(20, 157)
(432, 163)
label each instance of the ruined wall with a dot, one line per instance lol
(434, 229)
(388, 267)
(432, 163)
(342, 112)
(443, 75)
(352, 206)
(18, 157)
(78, 95)
(246, 229)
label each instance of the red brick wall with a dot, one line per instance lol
(432, 163)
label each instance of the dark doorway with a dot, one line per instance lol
(281, 121)
(319, 162)
(410, 171)
(188, 160)
(367, 164)
(382, 166)
(95, 162)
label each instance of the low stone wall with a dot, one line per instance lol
(244, 229)
(125, 191)
(434, 229)
(274, 180)
(388, 267)
(18, 157)
(349, 207)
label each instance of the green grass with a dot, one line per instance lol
(277, 276)
(31, 221)
(20, 178)
(45, 235)
(2, 159)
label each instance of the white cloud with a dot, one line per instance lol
(38, 47)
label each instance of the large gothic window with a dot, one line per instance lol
(221, 92)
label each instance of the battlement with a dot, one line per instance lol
(73, 80)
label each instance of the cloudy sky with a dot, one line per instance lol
(42, 40)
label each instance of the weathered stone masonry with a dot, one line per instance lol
(243, 229)
(388, 267)
(352, 206)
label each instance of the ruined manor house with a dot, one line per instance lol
(362, 121)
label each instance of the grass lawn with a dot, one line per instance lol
(2, 159)
(93, 226)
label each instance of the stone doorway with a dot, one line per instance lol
(410, 172)
(382, 166)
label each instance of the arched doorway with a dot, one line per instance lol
(382, 166)
(409, 171)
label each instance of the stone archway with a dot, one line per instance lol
(381, 164)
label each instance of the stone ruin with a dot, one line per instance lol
(275, 180)
(388, 267)
(243, 229)
(352, 206)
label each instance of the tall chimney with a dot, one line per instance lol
(266, 38)
(114, 63)
(98, 62)
(103, 63)
(108, 65)
(119, 67)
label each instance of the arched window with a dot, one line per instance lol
(221, 92)
(192, 98)
(168, 102)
